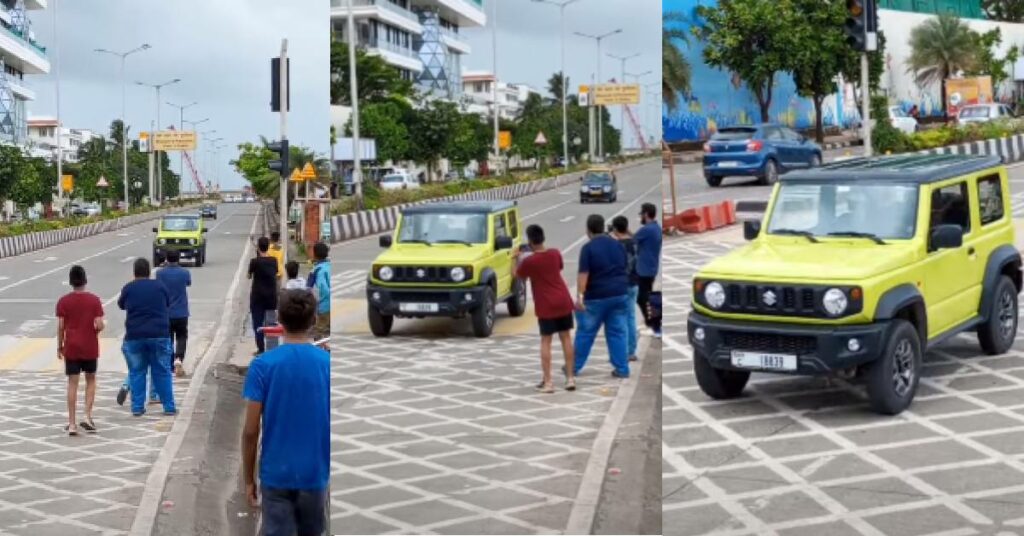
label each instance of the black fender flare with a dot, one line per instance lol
(488, 277)
(997, 261)
(899, 298)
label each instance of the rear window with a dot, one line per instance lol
(728, 134)
(975, 111)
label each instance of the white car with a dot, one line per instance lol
(399, 181)
(983, 113)
(902, 121)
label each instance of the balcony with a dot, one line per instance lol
(18, 87)
(381, 9)
(453, 40)
(22, 53)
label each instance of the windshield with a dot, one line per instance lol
(434, 228)
(897, 112)
(598, 177)
(179, 224)
(727, 134)
(393, 178)
(888, 211)
(975, 111)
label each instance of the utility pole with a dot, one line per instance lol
(285, 101)
(124, 123)
(494, 86)
(600, 116)
(565, 120)
(357, 164)
(622, 108)
(60, 126)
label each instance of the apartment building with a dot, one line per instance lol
(21, 56)
(478, 95)
(42, 138)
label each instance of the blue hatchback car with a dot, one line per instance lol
(763, 151)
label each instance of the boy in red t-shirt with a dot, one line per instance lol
(552, 303)
(79, 323)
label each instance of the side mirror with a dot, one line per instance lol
(385, 241)
(946, 236)
(154, 230)
(205, 230)
(751, 229)
(502, 242)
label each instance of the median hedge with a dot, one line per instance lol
(887, 139)
(25, 227)
(375, 198)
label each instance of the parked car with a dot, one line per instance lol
(902, 121)
(764, 151)
(399, 181)
(86, 209)
(982, 113)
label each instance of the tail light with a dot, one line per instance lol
(754, 146)
(707, 147)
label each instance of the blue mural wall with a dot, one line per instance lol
(719, 99)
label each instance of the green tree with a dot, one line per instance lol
(823, 55)
(939, 48)
(11, 163)
(471, 141)
(253, 163)
(988, 63)
(752, 38)
(676, 73)
(555, 84)
(433, 127)
(377, 80)
(387, 123)
(1004, 10)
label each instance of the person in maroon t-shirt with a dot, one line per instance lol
(79, 323)
(552, 303)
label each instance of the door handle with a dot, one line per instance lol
(970, 251)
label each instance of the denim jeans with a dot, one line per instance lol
(612, 313)
(631, 334)
(154, 356)
(291, 512)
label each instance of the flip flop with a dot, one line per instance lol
(67, 428)
(88, 426)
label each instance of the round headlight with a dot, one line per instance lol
(834, 301)
(584, 189)
(192, 241)
(161, 241)
(458, 274)
(714, 294)
(385, 273)
(607, 188)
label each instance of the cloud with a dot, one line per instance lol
(221, 52)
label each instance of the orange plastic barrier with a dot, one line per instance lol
(705, 218)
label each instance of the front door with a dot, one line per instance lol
(950, 290)
(503, 258)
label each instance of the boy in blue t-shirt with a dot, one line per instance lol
(319, 282)
(288, 390)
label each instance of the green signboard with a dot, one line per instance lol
(970, 9)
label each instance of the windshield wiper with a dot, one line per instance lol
(806, 234)
(857, 234)
(452, 241)
(413, 241)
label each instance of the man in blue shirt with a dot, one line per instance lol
(648, 251)
(602, 297)
(319, 282)
(289, 390)
(147, 344)
(177, 280)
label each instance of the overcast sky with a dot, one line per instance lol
(220, 49)
(529, 42)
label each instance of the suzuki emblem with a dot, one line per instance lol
(769, 298)
(421, 273)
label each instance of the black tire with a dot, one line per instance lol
(583, 200)
(713, 181)
(997, 334)
(517, 302)
(719, 384)
(380, 324)
(771, 173)
(483, 316)
(200, 258)
(892, 378)
(156, 260)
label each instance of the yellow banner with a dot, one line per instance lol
(613, 94)
(67, 183)
(504, 139)
(174, 140)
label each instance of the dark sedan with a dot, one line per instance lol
(599, 184)
(763, 151)
(208, 211)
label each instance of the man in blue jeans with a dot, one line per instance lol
(288, 390)
(648, 257)
(147, 341)
(602, 297)
(620, 231)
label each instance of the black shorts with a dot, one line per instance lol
(550, 326)
(74, 367)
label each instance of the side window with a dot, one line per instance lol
(500, 226)
(513, 224)
(950, 205)
(790, 134)
(772, 134)
(990, 199)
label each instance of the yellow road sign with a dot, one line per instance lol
(174, 140)
(504, 139)
(67, 183)
(308, 173)
(296, 175)
(613, 94)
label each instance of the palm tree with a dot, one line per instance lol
(939, 48)
(675, 69)
(555, 86)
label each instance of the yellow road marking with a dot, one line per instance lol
(23, 351)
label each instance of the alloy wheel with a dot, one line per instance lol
(903, 368)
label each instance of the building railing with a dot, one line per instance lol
(384, 44)
(24, 38)
(390, 6)
(450, 33)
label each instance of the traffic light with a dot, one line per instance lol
(861, 25)
(275, 85)
(280, 165)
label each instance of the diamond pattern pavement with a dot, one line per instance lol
(800, 455)
(447, 436)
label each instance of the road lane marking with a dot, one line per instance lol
(47, 259)
(567, 219)
(66, 266)
(145, 514)
(21, 352)
(584, 238)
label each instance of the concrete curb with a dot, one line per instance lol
(369, 222)
(29, 242)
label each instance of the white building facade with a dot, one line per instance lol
(21, 56)
(478, 95)
(42, 138)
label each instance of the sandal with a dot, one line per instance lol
(546, 388)
(88, 426)
(71, 431)
(570, 384)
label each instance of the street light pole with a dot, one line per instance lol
(600, 116)
(181, 126)
(60, 148)
(124, 125)
(156, 191)
(565, 120)
(622, 110)
(494, 84)
(357, 171)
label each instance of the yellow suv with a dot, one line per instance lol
(448, 259)
(858, 268)
(184, 233)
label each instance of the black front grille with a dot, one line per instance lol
(773, 299)
(420, 297)
(770, 342)
(178, 241)
(422, 274)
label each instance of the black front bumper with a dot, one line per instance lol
(819, 349)
(186, 252)
(451, 302)
(603, 196)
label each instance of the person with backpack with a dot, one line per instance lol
(620, 231)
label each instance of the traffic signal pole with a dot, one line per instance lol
(283, 84)
(865, 81)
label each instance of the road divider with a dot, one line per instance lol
(17, 245)
(369, 222)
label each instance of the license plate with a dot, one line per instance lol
(728, 164)
(758, 360)
(595, 193)
(418, 307)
